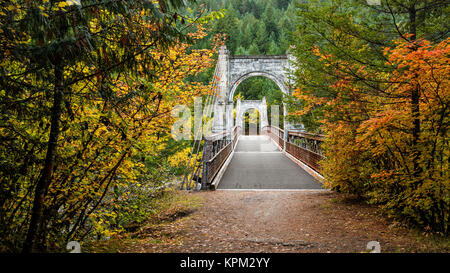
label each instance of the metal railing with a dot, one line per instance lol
(276, 134)
(308, 141)
(304, 146)
(217, 149)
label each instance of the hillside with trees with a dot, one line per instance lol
(253, 27)
(375, 80)
(88, 152)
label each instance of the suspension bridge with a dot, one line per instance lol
(275, 158)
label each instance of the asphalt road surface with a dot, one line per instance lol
(258, 164)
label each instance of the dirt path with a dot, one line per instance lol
(279, 221)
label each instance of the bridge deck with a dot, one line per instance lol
(258, 164)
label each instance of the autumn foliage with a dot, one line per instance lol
(108, 75)
(373, 148)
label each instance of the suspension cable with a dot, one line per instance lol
(210, 100)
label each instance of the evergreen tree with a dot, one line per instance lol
(261, 37)
(254, 50)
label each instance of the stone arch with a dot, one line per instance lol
(242, 117)
(232, 70)
(276, 79)
(245, 105)
(236, 69)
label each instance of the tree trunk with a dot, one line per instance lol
(46, 173)
(415, 100)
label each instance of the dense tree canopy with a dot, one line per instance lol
(375, 80)
(87, 88)
(86, 94)
(256, 27)
(253, 27)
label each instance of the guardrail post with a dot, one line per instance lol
(207, 151)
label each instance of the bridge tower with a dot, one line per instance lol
(220, 144)
(232, 70)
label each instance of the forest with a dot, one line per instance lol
(87, 88)
(375, 80)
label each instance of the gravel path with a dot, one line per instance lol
(282, 221)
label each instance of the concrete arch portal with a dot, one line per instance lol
(236, 159)
(246, 106)
(268, 75)
(231, 71)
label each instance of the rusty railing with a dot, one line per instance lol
(304, 146)
(217, 149)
